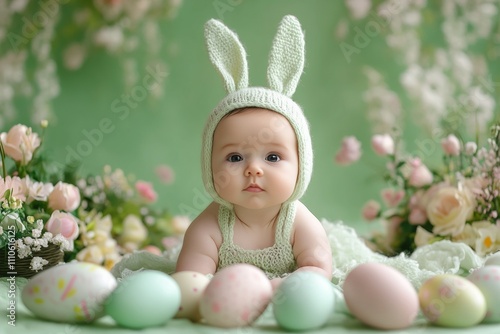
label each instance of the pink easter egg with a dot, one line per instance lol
(236, 296)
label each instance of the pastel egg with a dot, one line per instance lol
(380, 296)
(303, 301)
(192, 285)
(236, 296)
(71, 292)
(493, 259)
(452, 301)
(487, 279)
(144, 299)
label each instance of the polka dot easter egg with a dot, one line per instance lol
(452, 301)
(72, 292)
(236, 296)
(192, 285)
(487, 279)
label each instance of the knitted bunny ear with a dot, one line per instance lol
(286, 60)
(227, 55)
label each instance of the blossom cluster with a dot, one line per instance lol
(458, 201)
(117, 218)
(36, 212)
(93, 218)
(30, 32)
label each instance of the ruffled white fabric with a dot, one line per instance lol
(349, 250)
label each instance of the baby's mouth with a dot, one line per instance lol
(253, 188)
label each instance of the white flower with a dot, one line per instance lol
(37, 263)
(28, 240)
(111, 38)
(422, 237)
(487, 236)
(359, 9)
(12, 220)
(470, 148)
(36, 233)
(134, 231)
(92, 254)
(383, 144)
(37, 191)
(74, 55)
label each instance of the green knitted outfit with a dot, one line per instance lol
(286, 62)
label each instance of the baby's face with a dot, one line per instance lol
(255, 161)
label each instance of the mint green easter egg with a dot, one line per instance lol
(303, 301)
(145, 299)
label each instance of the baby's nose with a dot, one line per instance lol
(253, 169)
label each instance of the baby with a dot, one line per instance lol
(257, 162)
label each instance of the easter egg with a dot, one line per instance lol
(303, 301)
(493, 259)
(236, 296)
(487, 279)
(71, 292)
(192, 285)
(380, 296)
(451, 301)
(144, 299)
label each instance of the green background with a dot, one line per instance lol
(168, 130)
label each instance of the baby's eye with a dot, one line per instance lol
(273, 157)
(234, 158)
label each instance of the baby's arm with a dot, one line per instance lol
(311, 247)
(199, 251)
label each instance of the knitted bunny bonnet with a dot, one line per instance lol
(286, 62)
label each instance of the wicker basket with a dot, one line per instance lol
(52, 253)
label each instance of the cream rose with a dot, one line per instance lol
(64, 196)
(134, 231)
(449, 209)
(20, 143)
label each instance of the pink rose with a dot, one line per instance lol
(63, 223)
(451, 145)
(392, 197)
(20, 143)
(349, 152)
(15, 184)
(371, 210)
(146, 191)
(383, 144)
(418, 216)
(64, 197)
(420, 175)
(165, 174)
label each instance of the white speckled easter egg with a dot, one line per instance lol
(72, 292)
(192, 285)
(493, 260)
(380, 296)
(144, 299)
(303, 301)
(236, 296)
(452, 301)
(487, 279)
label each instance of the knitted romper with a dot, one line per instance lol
(275, 261)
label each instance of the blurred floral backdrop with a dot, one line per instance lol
(127, 84)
